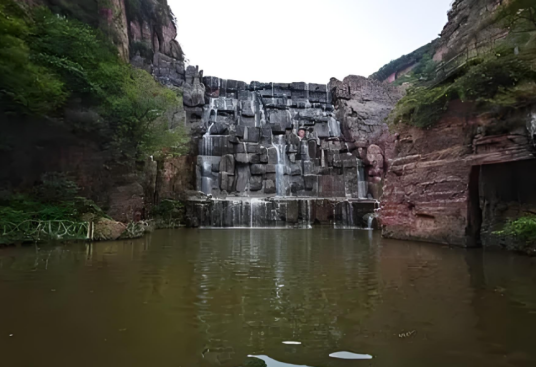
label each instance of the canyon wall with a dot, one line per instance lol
(362, 105)
(433, 188)
(459, 181)
(125, 188)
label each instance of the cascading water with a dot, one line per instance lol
(280, 147)
(205, 147)
(532, 126)
(238, 168)
(361, 183)
(305, 151)
(206, 179)
(370, 221)
(206, 142)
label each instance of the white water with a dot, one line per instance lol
(349, 355)
(280, 178)
(370, 221)
(246, 150)
(273, 363)
(207, 142)
(206, 179)
(361, 183)
(532, 127)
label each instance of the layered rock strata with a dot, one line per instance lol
(455, 182)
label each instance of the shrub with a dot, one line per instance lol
(25, 86)
(55, 187)
(504, 81)
(45, 59)
(482, 82)
(422, 107)
(523, 228)
(169, 214)
(54, 199)
(138, 116)
(404, 61)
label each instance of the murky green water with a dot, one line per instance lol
(212, 297)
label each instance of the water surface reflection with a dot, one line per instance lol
(213, 297)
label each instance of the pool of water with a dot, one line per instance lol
(213, 297)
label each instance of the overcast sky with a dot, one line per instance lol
(303, 40)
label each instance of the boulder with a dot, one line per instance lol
(108, 230)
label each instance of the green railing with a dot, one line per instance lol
(39, 230)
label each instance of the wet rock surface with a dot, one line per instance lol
(257, 128)
(278, 212)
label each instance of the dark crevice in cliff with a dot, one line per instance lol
(474, 215)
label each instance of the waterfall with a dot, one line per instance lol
(305, 151)
(253, 110)
(350, 214)
(206, 142)
(293, 123)
(280, 148)
(323, 159)
(309, 213)
(532, 126)
(370, 221)
(206, 147)
(246, 149)
(334, 127)
(361, 183)
(206, 178)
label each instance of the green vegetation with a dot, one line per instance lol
(47, 60)
(523, 229)
(169, 214)
(27, 86)
(54, 203)
(86, 11)
(421, 56)
(501, 80)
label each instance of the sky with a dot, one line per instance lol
(286, 41)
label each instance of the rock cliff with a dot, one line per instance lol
(460, 180)
(69, 141)
(249, 143)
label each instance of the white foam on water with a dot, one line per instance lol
(273, 363)
(350, 355)
(292, 343)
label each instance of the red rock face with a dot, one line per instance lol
(175, 176)
(114, 19)
(362, 105)
(426, 195)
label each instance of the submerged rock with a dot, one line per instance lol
(254, 362)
